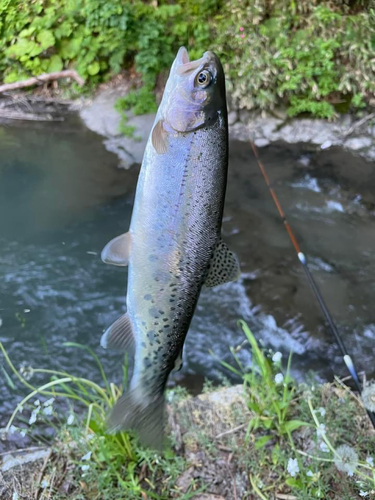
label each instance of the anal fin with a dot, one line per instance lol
(119, 336)
(178, 363)
(224, 266)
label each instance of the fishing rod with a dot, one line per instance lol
(303, 260)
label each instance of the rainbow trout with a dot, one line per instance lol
(173, 246)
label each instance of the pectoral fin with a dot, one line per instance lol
(224, 266)
(159, 138)
(117, 251)
(119, 336)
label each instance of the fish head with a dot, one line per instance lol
(194, 95)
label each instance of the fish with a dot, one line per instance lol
(173, 247)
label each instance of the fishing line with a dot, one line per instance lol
(303, 260)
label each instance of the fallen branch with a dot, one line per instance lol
(231, 431)
(359, 123)
(19, 115)
(45, 77)
(41, 474)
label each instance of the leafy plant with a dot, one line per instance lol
(317, 458)
(270, 394)
(306, 54)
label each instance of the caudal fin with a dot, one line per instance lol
(146, 417)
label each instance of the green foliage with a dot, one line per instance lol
(303, 441)
(271, 395)
(318, 421)
(140, 101)
(306, 54)
(96, 37)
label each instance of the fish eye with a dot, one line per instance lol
(204, 78)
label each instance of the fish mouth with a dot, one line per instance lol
(182, 56)
(185, 66)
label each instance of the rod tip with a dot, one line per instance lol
(349, 363)
(302, 257)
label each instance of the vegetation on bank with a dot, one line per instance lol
(279, 440)
(314, 56)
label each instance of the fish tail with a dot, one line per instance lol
(144, 416)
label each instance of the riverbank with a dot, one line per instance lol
(269, 438)
(355, 133)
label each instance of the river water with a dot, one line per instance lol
(62, 198)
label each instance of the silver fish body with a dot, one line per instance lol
(173, 236)
(175, 227)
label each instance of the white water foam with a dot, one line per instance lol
(305, 160)
(333, 206)
(308, 182)
(369, 332)
(317, 264)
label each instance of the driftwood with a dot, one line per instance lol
(359, 123)
(20, 115)
(45, 77)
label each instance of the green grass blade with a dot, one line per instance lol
(226, 365)
(96, 358)
(8, 379)
(260, 359)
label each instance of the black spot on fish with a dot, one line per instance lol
(151, 335)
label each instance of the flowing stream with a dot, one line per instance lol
(62, 198)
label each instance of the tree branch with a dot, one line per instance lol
(45, 77)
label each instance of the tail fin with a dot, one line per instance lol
(146, 417)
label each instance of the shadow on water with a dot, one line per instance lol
(62, 198)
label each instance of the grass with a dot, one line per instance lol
(100, 465)
(269, 438)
